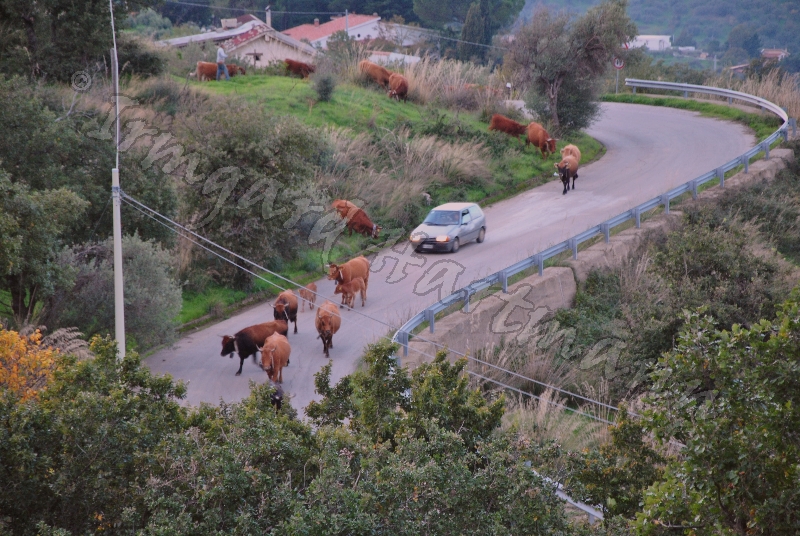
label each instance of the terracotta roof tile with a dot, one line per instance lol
(313, 33)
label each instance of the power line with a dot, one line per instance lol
(245, 10)
(144, 209)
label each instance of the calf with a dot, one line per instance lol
(380, 75)
(344, 273)
(501, 123)
(538, 136)
(246, 341)
(328, 322)
(275, 356)
(349, 290)
(299, 68)
(308, 294)
(285, 307)
(568, 168)
(398, 87)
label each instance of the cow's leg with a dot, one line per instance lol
(241, 364)
(295, 325)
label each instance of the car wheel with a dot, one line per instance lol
(454, 247)
(481, 235)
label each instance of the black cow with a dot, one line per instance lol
(247, 341)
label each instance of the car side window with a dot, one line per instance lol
(465, 217)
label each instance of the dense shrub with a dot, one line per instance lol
(138, 56)
(152, 297)
(324, 84)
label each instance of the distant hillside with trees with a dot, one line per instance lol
(736, 28)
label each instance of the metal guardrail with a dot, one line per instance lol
(571, 244)
(462, 295)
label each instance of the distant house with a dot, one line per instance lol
(359, 27)
(251, 41)
(404, 35)
(654, 43)
(774, 53)
(392, 58)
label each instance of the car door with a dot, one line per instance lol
(467, 232)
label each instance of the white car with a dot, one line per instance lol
(448, 226)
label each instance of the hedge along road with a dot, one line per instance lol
(649, 151)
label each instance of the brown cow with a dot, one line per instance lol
(357, 219)
(285, 307)
(205, 71)
(571, 150)
(568, 169)
(344, 273)
(502, 123)
(328, 322)
(538, 136)
(246, 341)
(398, 87)
(349, 290)
(275, 356)
(299, 68)
(379, 74)
(308, 294)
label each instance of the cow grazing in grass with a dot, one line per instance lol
(328, 322)
(299, 68)
(308, 294)
(378, 74)
(398, 87)
(285, 307)
(205, 70)
(344, 273)
(571, 150)
(275, 356)
(246, 341)
(568, 169)
(538, 136)
(357, 219)
(501, 123)
(349, 291)
(343, 207)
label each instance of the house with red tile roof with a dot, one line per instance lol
(359, 27)
(774, 53)
(253, 42)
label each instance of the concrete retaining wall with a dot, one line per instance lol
(507, 315)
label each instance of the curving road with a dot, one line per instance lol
(649, 151)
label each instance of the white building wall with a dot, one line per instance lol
(368, 30)
(271, 51)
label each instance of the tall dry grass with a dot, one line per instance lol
(390, 172)
(452, 84)
(776, 86)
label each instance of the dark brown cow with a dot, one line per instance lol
(308, 294)
(501, 123)
(299, 68)
(344, 273)
(349, 290)
(275, 356)
(398, 87)
(568, 169)
(380, 75)
(328, 322)
(246, 341)
(285, 307)
(538, 136)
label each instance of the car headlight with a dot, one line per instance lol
(417, 237)
(443, 238)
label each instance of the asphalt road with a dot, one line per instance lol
(649, 151)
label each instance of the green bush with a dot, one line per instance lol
(324, 84)
(139, 57)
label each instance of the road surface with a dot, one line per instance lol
(649, 151)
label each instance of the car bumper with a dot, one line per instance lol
(426, 246)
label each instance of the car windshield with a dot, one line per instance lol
(442, 217)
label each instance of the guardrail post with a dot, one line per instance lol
(793, 124)
(746, 163)
(503, 281)
(466, 300)
(721, 176)
(573, 245)
(685, 94)
(730, 101)
(402, 338)
(430, 316)
(539, 260)
(606, 229)
(634, 90)
(693, 188)
(665, 202)
(637, 213)
(765, 148)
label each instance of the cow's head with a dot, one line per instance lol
(563, 170)
(333, 271)
(551, 144)
(241, 70)
(228, 345)
(376, 230)
(339, 289)
(276, 398)
(267, 357)
(279, 310)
